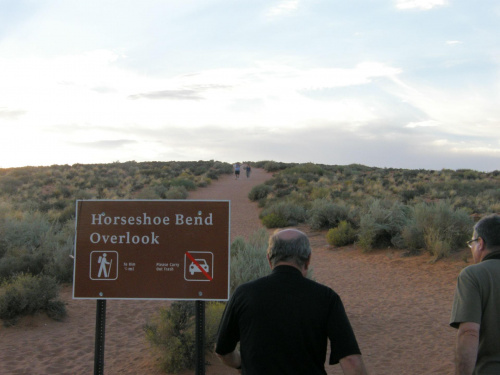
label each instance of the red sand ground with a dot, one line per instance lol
(399, 308)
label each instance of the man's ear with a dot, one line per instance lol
(269, 260)
(306, 265)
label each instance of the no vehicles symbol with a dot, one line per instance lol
(198, 266)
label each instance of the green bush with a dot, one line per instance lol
(438, 227)
(248, 259)
(326, 214)
(176, 192)
(293, 213)
(25, 294)
(274, 221)
(259, 192)
(342, 235)
(213, 316)
(28, 231)
(187, 184)
(32, 245)
(382, 225)
(172, 333)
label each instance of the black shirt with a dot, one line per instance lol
(283, 322)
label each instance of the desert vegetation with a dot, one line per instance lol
(413, 210)
(37, 228)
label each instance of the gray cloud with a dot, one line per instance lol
(191, 93)
(106, 144)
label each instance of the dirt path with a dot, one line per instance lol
(399, 309)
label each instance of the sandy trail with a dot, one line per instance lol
(399, 308)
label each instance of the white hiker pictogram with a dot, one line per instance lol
(103, 269)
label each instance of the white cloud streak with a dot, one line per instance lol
(420, 4)
(283, 8)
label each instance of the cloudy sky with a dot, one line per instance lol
(385, 83)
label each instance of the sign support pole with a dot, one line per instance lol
(100, 328)
(200, 337)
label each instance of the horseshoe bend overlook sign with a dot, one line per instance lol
(152, 249)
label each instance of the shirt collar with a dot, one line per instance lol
(493, 255)
(286, 269)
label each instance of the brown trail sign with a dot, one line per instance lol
(152, 249)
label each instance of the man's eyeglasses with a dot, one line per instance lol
(469, 243)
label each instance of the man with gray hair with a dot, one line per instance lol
(283, 321)
(476, 305)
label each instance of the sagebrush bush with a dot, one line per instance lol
(27, 250)
(25, 294)
(438, 227)
(326, 214)
(248, 259)
(172, 333)
(292, 212)
(259, 192)
(176, 192)
(344, 234)
(382, 225)
(213, 316)
(184, 182)
(274, 221)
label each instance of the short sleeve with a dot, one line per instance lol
(342, 339)
(467, 300)
(228, 334)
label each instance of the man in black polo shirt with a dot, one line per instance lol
(284, 321)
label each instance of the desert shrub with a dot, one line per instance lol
(326, 214)
(259, 192)
(213, 315)
(187, 184)
(28, 230)
(413, 238)
(176, 192)
(344, 234)
(290, 211)
(22, 261)
(382, 225)
(305, 169)
(148, 192)
(30, 244)
(171, 332)
(438, 227)
(274, 221)
(58, 247)
(248, 259)
(25, 294)
(272, 166)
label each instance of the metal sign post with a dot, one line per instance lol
(100, 328)
(200, 337)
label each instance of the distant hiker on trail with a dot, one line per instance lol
(476, 305)
(237, 167)
(283, 321)
(248, 170)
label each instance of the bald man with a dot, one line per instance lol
(283, 321)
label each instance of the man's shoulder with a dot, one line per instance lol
(479, 267)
